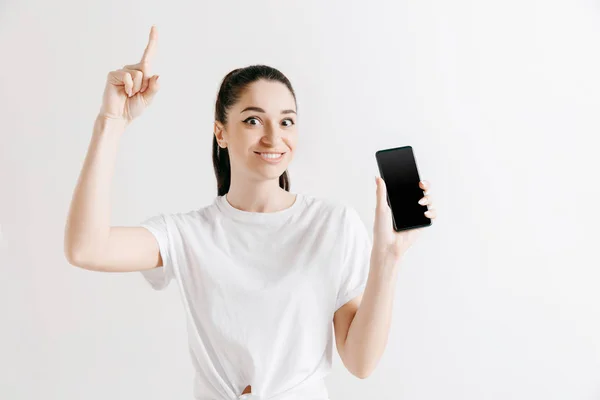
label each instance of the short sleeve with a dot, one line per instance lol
(159, 277)
(356, 257)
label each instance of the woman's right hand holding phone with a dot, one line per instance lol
(130, 90)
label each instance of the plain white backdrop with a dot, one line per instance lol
(500, 100)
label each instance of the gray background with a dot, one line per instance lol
(497, 300)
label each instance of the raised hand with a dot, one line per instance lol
(130, 90)
(387, 243)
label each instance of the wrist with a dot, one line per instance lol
(384, 268)
(386, 259)
(105, 123)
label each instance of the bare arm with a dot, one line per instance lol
(90, 242)
(362, 325)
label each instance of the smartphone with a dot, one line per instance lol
(398, 169)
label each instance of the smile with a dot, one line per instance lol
(270, 157)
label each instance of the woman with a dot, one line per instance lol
(267, 277)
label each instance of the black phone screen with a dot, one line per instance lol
(398, 169)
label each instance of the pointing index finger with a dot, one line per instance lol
(151, 47)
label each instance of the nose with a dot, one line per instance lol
(272, 134)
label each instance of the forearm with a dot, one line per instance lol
(88, 221)
(368, 333)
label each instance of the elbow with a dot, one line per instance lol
(76, 251)
(361, 371)
(77, 258)
(73, 257)
(70, 251)
(86, 260)
(76, 255)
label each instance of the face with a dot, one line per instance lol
(262, 121)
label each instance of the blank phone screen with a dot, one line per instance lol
(398, 168)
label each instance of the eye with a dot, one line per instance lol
(254, 118)
(250, 118)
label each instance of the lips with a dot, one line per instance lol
(271, 160)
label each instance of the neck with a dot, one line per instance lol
(258, 196)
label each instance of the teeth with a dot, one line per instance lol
(270, 155)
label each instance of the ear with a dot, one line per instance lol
(218, 131)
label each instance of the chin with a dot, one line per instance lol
(269, 171)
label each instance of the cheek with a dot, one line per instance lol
(291, 141)
(241, 146)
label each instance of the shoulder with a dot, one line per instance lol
(344, 216)
(338, 210)
(203, 214)
(321, 204)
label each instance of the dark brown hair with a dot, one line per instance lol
(232, 88)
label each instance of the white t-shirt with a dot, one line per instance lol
(260, 291)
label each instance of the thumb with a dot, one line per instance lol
(381, 194)
(153, 87)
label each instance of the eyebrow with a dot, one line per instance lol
(258, 109)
